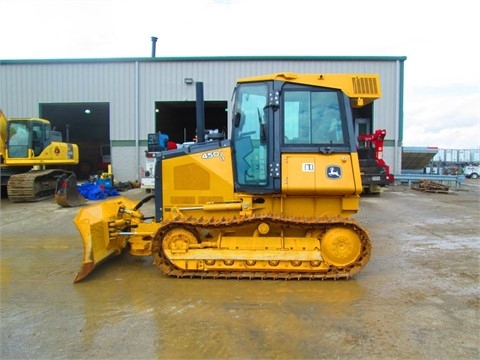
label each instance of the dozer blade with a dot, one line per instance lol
(66, 192)
(98, 225)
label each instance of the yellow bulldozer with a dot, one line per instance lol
(274, 201)
(27, 147)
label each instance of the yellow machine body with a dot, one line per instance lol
(29, 143)
(37, 149)
(247, 207)
(362, 89)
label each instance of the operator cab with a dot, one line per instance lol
(272, 118)
(27, 138)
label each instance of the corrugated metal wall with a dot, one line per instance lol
(132, 86)
(23, 87)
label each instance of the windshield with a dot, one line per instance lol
(250, 134)
(25, 135)
(18, 140)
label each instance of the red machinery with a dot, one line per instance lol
(375, 172)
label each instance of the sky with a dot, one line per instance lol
(439, 39)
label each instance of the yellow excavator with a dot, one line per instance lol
(27, 147)
(274, 201)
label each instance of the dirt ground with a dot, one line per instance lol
(418, 298)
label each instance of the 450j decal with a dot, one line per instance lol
(213, 155)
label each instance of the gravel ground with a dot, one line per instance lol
(418, 298)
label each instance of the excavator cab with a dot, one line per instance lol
(27, 138)
(30, 141)
(273, 201)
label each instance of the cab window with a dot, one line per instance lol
(250, 134)
(312, 117)
(18, 140)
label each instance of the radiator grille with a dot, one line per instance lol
(365, 85)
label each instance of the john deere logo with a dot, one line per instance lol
(334, 172)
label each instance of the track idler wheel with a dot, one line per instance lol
(178, 241)
(341, 246)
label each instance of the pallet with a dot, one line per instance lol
(431, 187)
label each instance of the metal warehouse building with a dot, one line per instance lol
(109, 106)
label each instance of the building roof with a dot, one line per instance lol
(416, 158)
(205, 58)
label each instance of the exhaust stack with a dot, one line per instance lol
(154, 45)
(200, 108)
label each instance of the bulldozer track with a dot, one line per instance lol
(33, 186)
(333, 272)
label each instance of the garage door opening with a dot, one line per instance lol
(177, 119)
(88, 126)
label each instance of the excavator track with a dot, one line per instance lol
(289, 262)
(34, 185)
